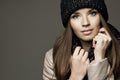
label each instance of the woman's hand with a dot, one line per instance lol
(101, 43)
(79, 64)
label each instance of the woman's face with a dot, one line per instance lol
(85, 23)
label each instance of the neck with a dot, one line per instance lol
(86, 44)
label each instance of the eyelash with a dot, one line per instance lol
(93, 13)
(75, 16)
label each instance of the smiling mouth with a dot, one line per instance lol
(87, 32)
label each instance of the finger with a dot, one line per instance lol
(85, 56)
(87, 61)
(105, 37)
(94, 42)
(95, 39)
(81, 53)
(101, 36)
(77, 49)
(104, 31)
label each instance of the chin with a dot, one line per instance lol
(87, 38)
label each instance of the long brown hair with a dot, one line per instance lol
(62, 53)
(113, 52)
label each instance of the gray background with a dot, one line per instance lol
(28, 28)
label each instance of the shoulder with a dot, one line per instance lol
(48, 60)
(49, 53)
(48, 68)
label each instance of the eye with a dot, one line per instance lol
(75, 16)
(93, 13)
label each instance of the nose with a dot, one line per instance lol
(85, 21)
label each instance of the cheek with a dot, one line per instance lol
(95, 22)
(75, 25)
(76, 28)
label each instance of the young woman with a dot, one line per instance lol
(89, 48)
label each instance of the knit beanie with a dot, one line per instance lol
(68, 7)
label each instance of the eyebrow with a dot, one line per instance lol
(92, 10)
(88, 11)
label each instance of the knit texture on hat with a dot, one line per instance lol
(70, 6)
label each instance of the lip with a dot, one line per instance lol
(87, 31)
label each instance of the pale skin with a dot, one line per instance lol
(86, 25)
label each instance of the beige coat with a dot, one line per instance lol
(96, 71)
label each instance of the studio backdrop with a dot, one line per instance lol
(28, 28)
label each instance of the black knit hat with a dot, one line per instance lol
(70, 6)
